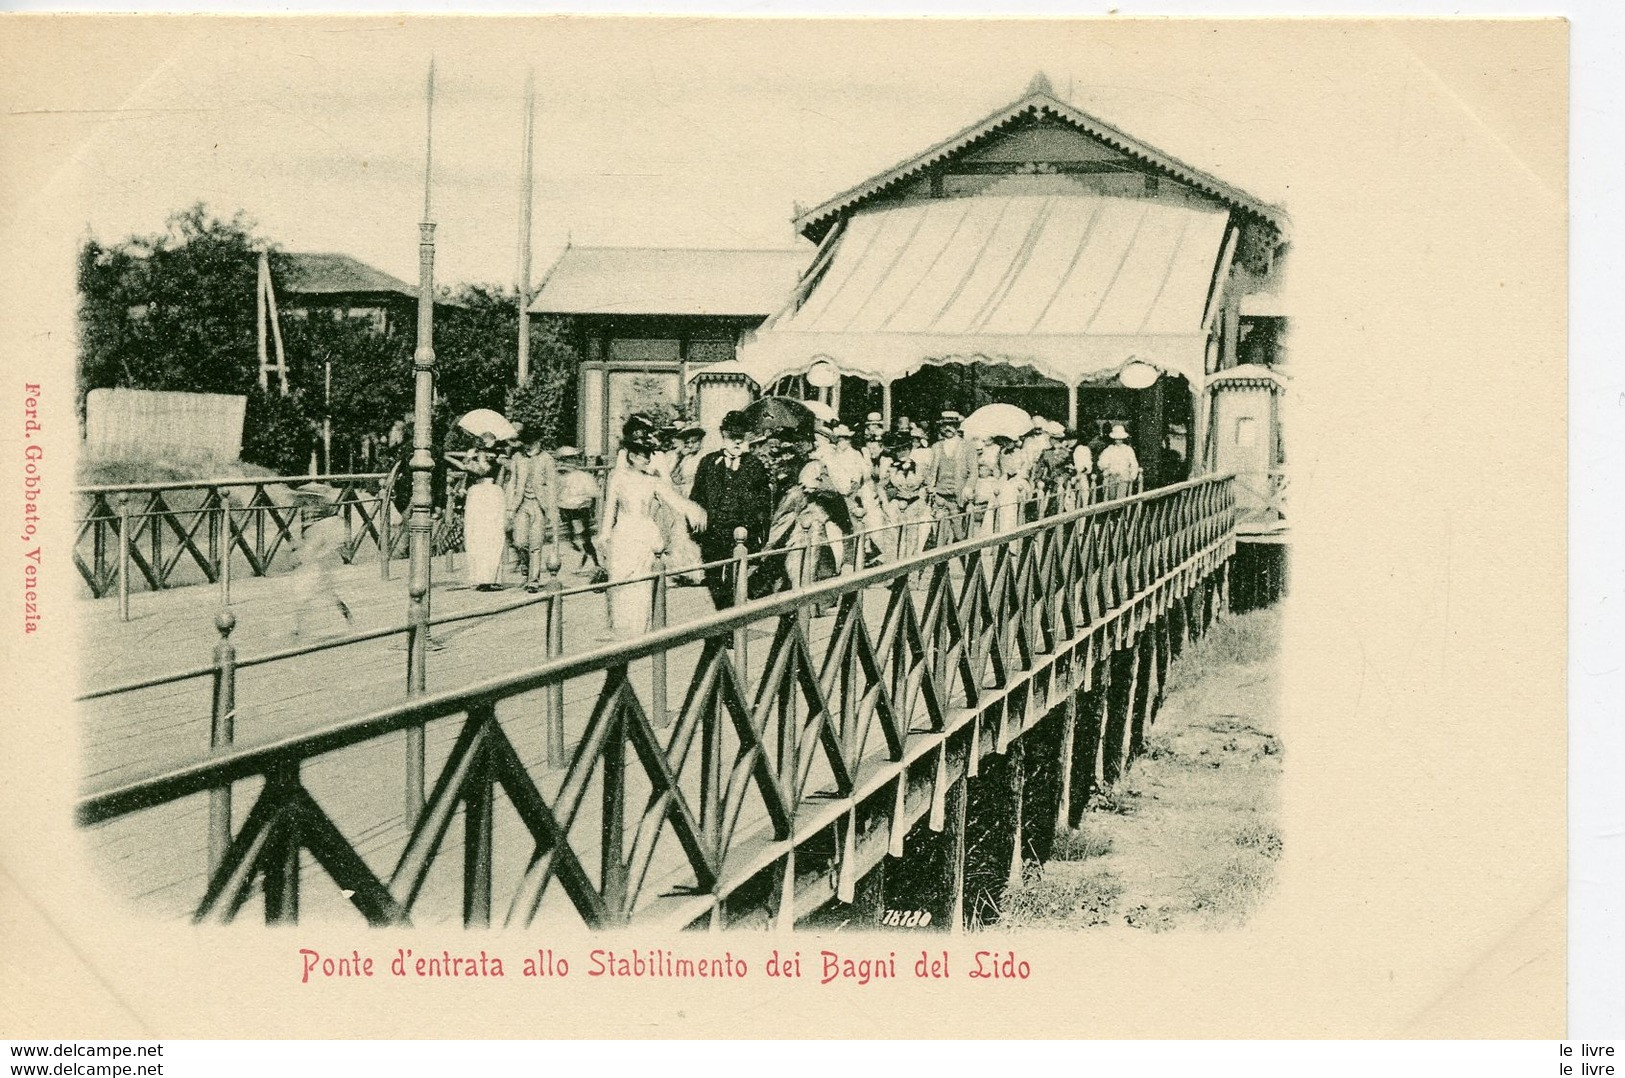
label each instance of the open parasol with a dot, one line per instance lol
(782, 417)
(483, 421)
(997, 421)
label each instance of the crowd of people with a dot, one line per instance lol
(802, 503)
(803, 506)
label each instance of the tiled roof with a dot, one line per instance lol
(1039, 102)
(325, 274)
(670, 280)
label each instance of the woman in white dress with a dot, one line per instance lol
(631, 533)
(485, 512)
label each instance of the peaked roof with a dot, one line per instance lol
(328, 274)
(670, 280)
(1039, 101)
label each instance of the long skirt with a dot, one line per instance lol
(484, 532)
(629, 549)
(914, 525)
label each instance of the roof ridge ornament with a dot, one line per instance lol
(1040, 85)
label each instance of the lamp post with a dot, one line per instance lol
(420, 522)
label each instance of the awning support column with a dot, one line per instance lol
(885, 404)
(1072, 406)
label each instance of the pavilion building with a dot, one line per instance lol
(1040, 256)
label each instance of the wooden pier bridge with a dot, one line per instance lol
(902, 739)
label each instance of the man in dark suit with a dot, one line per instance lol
(733, 488)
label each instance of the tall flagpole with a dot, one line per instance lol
(526, 187)
(420, 524)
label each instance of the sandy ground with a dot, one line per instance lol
(1190, 838)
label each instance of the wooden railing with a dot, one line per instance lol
(154, 536)
(165, 535)
(813, 764)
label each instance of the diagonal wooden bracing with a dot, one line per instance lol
(812, 766)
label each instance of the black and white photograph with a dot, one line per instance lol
(840, 583)
(683, 499)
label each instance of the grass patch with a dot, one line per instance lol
(1061, 899)
(109, 473)
(1234, 888)
(1236, 640)
(1076, 844)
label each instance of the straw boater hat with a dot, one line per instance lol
(566, 452)
(842, 431)
(951, 416)
(1119, 433)
(874, 417)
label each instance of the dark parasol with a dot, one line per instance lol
(784, 418)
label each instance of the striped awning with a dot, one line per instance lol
(1068, 284)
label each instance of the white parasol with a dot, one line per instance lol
(997, 421)
(483, 421)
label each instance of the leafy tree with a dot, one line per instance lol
(173, 311)
(177, 311)
(547, 402)
(277, 434)
(372, 383)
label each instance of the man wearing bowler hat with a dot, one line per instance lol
(733, 488)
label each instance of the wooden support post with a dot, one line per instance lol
(1144, 688)
(1064, 759)
(846, 872)
(613, 817)
(937, 817)
(223, 565)
(477, 826)
(222, 730)
(214, 529)
(553, 697)
(658, 716)
(853, 561)
(953, 877)
(1118, 699)
(1016, 776)
(784, 892)
(713, 781)
(386, 528)
(282, 860)
(123, 556)
(741, 586)
(899, 815)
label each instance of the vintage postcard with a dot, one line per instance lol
(681, 527)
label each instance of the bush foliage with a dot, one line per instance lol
(176, 311)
